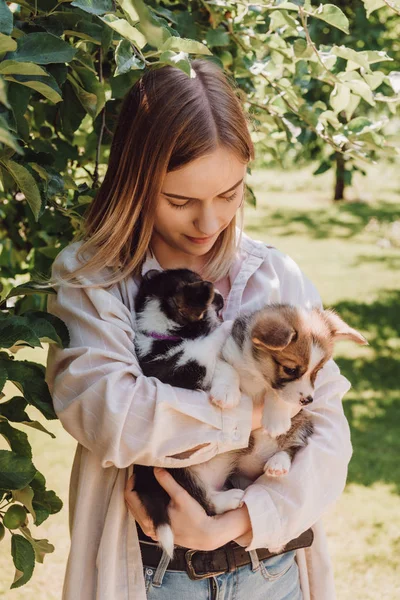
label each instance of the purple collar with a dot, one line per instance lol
(162, 336)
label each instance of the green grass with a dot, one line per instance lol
(340, 249)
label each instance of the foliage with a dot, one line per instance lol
(64, 69)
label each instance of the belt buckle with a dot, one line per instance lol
(190, 569)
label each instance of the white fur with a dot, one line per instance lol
(153, 319)
(265, 446)
(302, 388)
(166, 539)
(278, 465)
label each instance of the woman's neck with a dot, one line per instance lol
(169, 258)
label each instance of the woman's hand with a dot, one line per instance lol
(138, 510)
(191, 525)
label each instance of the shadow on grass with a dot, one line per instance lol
(387, 261)
(373, 405)
(342, 221)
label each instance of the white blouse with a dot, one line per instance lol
(120, 417)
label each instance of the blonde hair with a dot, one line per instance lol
(167, 120)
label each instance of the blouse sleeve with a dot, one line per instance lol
(281, 509)
(105, 402)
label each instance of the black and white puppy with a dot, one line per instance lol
(178, 339)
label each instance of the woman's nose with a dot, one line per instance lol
(207, 223)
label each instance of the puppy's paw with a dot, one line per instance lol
(228, 500)
(225, 395)
(278, 465)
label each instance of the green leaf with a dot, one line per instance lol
(375, 56)
(24, 560)
(3, 379)
(126, 59)
(357, 85)
(359, 58)
(92, 85)
(26, 183)
(3, 93)
(15, 471)
(14, 411)
(46, 86)
(353, 104)
(130, 11)
(87, 99)
(40, 547)
(374, 79)
(45, 503)
(372, 5)
(48, 327)
(6, 18)
(28, 288)
(7, 44)
(340, 97)
(155, 34)
(30, 328)
(185, 45)
(17, 440)
(323, 167)
(333, 15)
(94, 7)
(125, 30)
(43, 48)
(25, 497)
(176, 59)
(217, 37)
(7, 138)
(394, 79)
(359, 125)
(8, 67)
(28, 377)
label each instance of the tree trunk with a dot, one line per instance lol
(340, 173)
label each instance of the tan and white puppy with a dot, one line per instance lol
(277, 352)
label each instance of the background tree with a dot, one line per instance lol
(64, 69)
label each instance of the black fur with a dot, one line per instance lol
(239, 330)
(183, 305)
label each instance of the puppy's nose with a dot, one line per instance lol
(305, 401)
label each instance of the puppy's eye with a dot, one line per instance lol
(289, 371)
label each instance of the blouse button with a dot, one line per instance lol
(236, 434)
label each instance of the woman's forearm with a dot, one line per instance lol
(231, 525)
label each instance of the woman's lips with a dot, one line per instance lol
(199, 240)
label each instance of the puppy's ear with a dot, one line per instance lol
(272, 332)
(340, 330)
(150, 274)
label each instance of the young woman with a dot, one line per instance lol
(171, 198)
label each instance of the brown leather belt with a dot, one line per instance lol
(200, 565)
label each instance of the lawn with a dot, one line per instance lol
(352, 253)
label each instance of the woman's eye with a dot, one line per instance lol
(289, 371)
(178, 205)
(232, 197)
(228, 198)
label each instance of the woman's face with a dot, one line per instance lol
(196, 203)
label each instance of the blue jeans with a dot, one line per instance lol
(275, 578)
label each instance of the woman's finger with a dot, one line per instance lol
(130, 484)
(176, 492)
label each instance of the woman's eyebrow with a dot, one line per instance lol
(189, 198)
